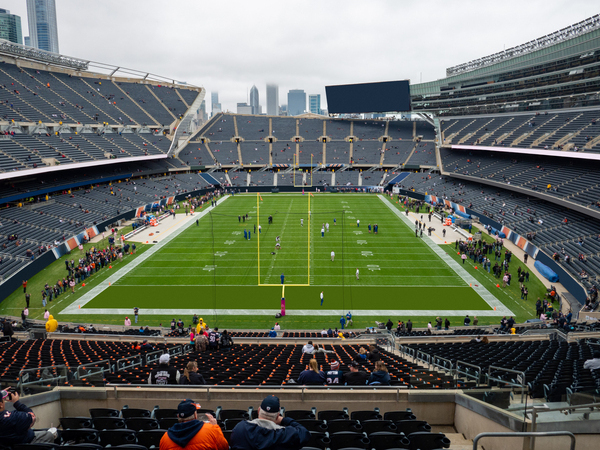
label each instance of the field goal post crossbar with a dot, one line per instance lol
(258, 200)
(296, 167)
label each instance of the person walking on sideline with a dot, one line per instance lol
(322, 297)
(332, 255)
(357, 273)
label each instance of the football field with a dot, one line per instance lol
(225, 267)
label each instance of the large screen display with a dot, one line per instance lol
(385, 96)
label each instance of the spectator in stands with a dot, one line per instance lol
(380, 375)
(7, 329)
(225, 341)
(308, 348)
(52, 324)
(374, 354)
(127, 322)
(191, 433)
(191, 375)
(335, 376)
(312, 376)
(163, 373)
(16, 426)
(355, 377)
(273, 333)
(269, 431)
(201, 342)
(146, 346)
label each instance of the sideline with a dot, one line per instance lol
(75, 307)
(487, 296)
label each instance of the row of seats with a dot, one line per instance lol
(332, 429)
(570, 130)
(28, 95)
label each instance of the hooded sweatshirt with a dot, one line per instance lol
(52, 324)
(261, 434)
(194, 435)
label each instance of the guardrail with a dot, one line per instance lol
(474, 374)
(49, 376)
(526, 434)
(520, 382)
(128, 363)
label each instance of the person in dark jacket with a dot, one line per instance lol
(7, 328)
(163, 373)
(355, 377)
(374, 354)
(380, 375)
(312, 376)
(193, 432)
(16, 426)
(191, 375)
(389, 325)
(270, 431)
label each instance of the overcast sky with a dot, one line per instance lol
(227, 46)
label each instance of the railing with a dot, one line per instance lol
(536, 410)
(129, 363)
(475, 374)
(521, 379)
(49, 377)
(94, 370)
(527, 434)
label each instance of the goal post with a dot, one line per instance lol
(308, 240)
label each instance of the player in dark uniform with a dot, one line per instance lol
(335, 376)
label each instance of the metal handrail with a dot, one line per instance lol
(92, 366)
(466, 374)
(423, 357)
(522, 384)
(434, 363)
(526, 434)
(123, 363)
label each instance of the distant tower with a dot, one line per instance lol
(43, 30)
(314, 103)
(10, 27)
(215, 105)
(272, 100)
(254, 103)
(296, 102)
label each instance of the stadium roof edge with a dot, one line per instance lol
(34, 55)
(564, 34)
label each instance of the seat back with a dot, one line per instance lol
(423, 441)
(345, 439)
(336, 426)
(108, 423)
(142, 423)
(298, 414)
(75, 422)
(333, 415)
(374, 426)
(399, 415)
(104, 412)
(150, 438)
(313, 425)
(79, 436)
(129, 413)
(386, 440)
(365, 415)
(117, 437)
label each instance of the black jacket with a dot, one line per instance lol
(195, 379)
(15, 426)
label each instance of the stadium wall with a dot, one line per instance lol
(16, 280)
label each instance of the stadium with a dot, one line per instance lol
(453, 240)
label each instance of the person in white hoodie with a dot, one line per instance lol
(308, 348)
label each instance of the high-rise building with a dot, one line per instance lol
(43, 30)
(314, 103)
(254, 103)
(272, 100)
(215, 105)
(244, 108)
(202, 110)
(27, 41)
(296, 102)
(10, 27)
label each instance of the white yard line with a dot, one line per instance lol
(75, 307)
(500, 308)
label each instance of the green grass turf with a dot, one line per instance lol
(405, 273)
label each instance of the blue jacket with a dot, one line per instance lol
(250, 435)
(311, 378)
(379, 377)
(15, 426)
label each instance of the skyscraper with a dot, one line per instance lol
(272, 100)
(314, 103)
(10, 27)
(43, 30)
(296, 102)
(254, 103)
(215, 105)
